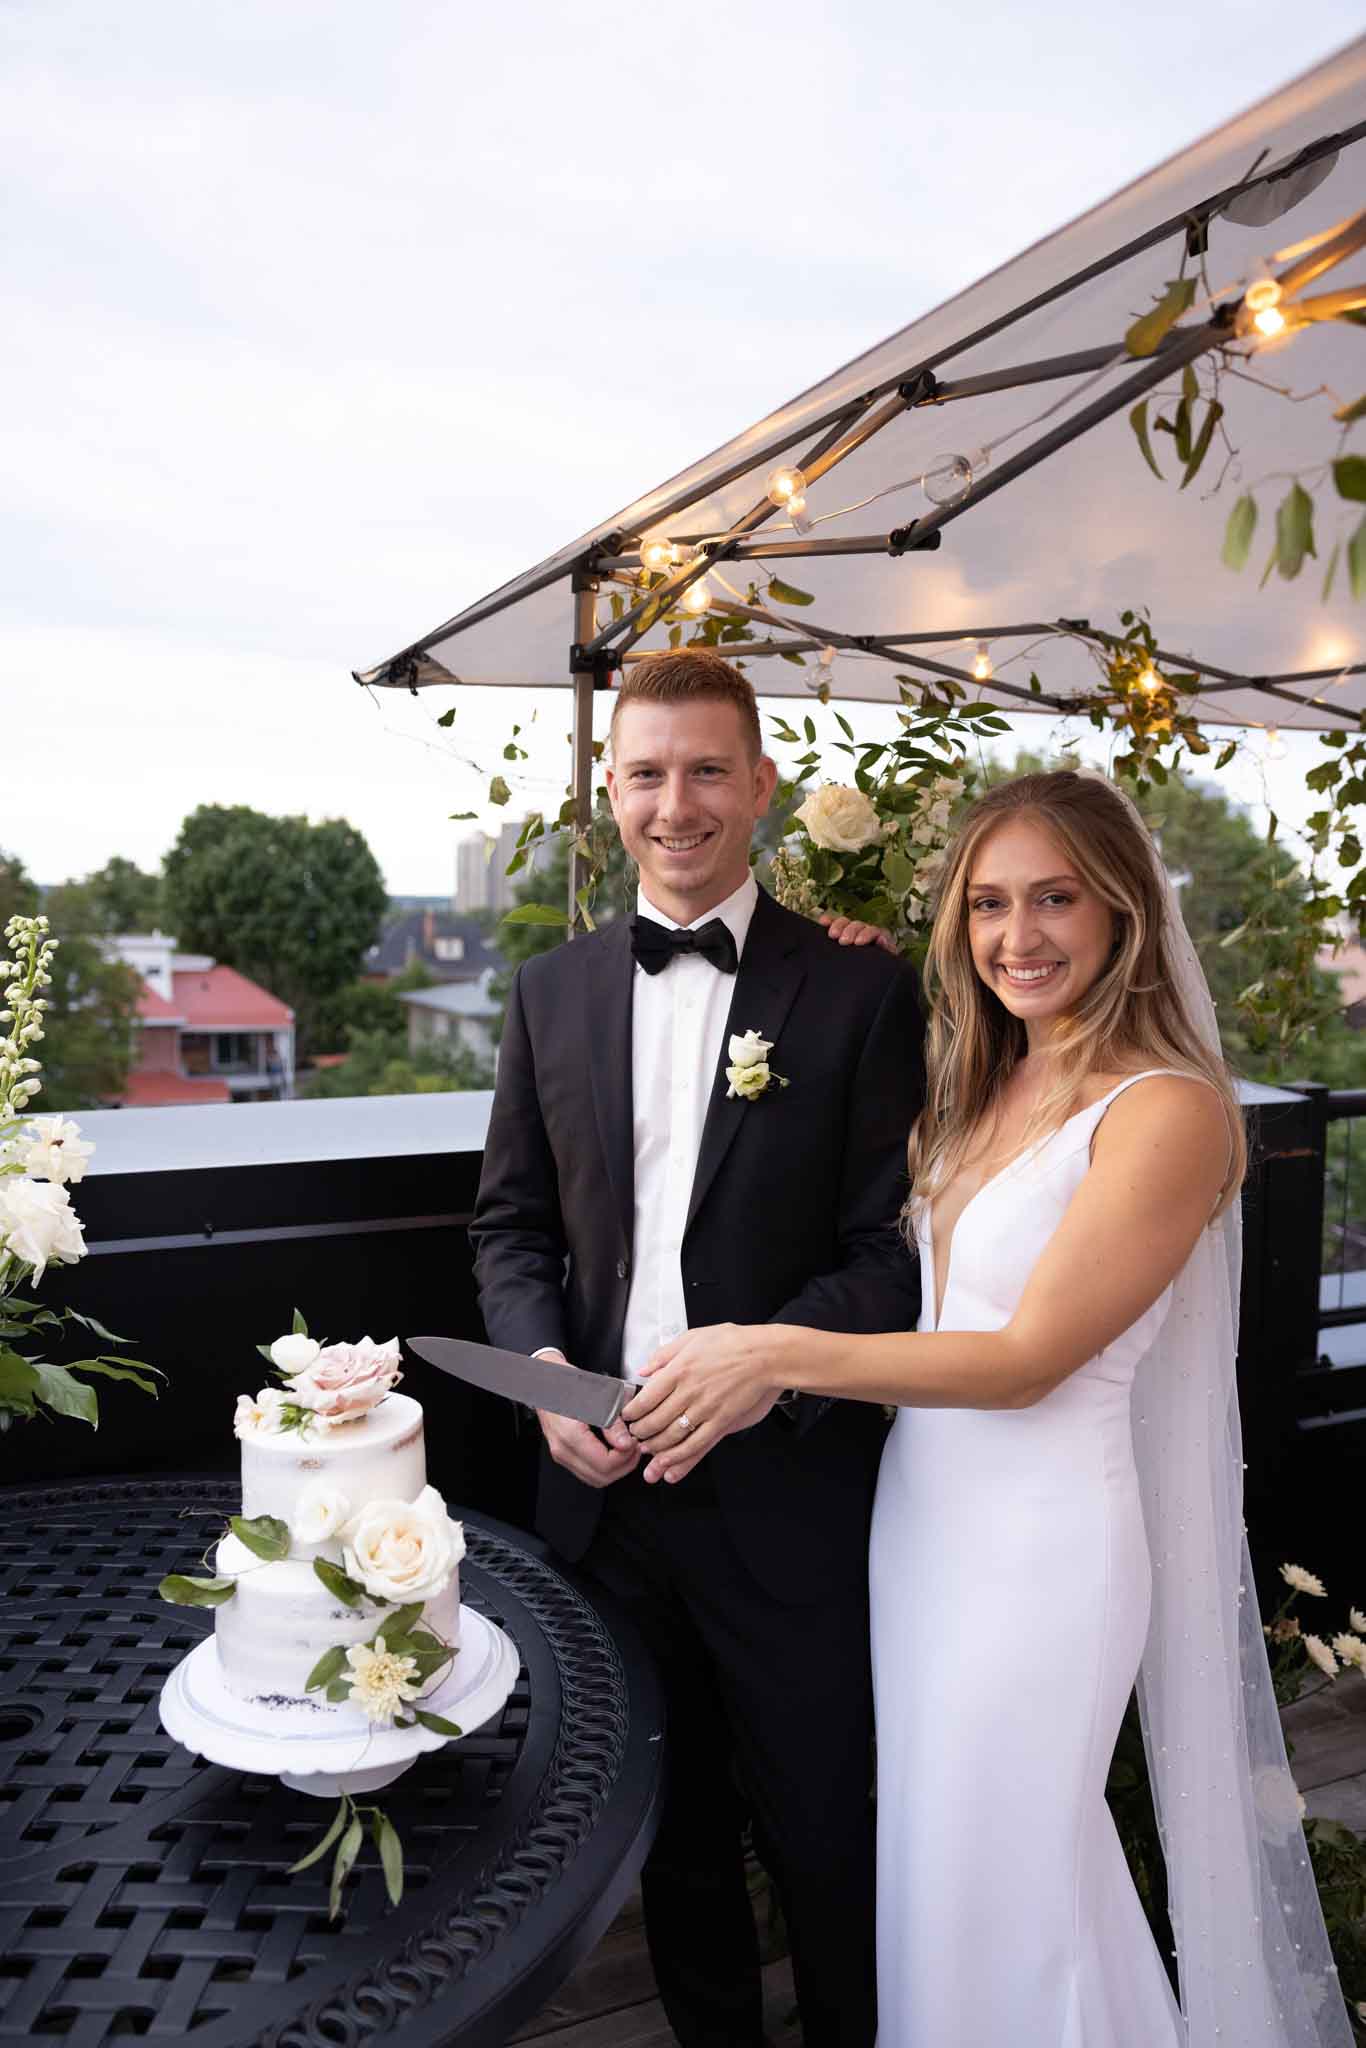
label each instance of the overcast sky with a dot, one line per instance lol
(322, 318)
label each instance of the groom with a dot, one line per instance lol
(628, 1194)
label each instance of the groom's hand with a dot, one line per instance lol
(575, 1446)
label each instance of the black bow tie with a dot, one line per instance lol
(654, 945)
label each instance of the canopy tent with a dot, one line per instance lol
(974, 488)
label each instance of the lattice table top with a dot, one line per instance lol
(143, 1892)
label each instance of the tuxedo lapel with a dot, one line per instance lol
(766, 985)
(608, 1014)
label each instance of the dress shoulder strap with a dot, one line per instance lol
(1148, 1074)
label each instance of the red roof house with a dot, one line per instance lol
(204, 1032)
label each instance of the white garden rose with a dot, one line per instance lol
(320, 1511)
(294, 1354)
(840, 819)
(38, 1224)
(749, 1050)
(403, 1550)
(52, 1149)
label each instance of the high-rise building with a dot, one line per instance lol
(481, 878)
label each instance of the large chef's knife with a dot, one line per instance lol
(594, 1397)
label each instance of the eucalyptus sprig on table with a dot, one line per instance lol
(347, 1830)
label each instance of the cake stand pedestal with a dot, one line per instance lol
(324, 1750)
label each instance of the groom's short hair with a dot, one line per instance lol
(690, 675)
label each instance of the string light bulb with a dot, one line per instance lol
(696, 599)
(948, 478)
(1263, 301)
(783, 486)
(657, 555)
(1149, 681)
(981, 663)
(1276, 749)
(796, 511)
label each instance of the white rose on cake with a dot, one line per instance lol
(403, 1550)
(346, 1380)
(294, 1354)
(840, 819)
(321, 1511)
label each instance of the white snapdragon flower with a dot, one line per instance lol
(53, 1149)
(38, 1225)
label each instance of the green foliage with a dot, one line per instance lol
(373, 1066)
(290, 905)
(119, 897)
(364, 1008)
(1151, 329)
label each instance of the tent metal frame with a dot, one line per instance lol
(596, 654)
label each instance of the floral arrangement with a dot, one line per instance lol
(874, 848)
(749, 1073)
(321, 1386)
(1338, 1854)
(40, 1157)
(392, 1556)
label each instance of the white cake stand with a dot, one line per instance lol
(329, 1750)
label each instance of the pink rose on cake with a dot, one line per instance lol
(403, 1550)
(345, 1381)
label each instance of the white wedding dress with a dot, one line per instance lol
(1010, 1597)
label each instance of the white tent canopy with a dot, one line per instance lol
(1062, 521)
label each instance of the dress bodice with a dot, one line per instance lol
(1003, 1230)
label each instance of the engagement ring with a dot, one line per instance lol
(684, 1423)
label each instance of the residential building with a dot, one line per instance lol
(463, 1015)
(204, 1033)
(450, 947)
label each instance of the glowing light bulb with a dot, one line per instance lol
(1276, 749)
(796, 511)
(1271, 320)
(1261, 293)
(948, 478)
(657, 555)
(1149, 681)
(697, 597)
(981, 663)
(784, 485)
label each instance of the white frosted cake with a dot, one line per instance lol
(333, 1460)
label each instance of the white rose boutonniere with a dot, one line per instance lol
(749, 1072)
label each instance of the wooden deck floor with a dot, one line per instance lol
(610, 2001)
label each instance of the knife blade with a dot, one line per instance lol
(594, 1397)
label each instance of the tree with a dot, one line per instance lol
(122, 897)
(374, 1066)
(290, 905)
(88, 1033)
(365, 1007)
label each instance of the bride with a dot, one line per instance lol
(1059, 1511)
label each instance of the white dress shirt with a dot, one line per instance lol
(678, 1025)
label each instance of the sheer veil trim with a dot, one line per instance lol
(1252, 1951)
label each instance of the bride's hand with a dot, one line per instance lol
(716, 1380)
(850, 931)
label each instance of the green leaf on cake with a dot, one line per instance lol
(264, 1535)
(331, 1663)
(186, 1592)
(400, 1621)
(322, 1847)
(390, 1854)
(337, 1583)
(339, 1690)
(437, 1724)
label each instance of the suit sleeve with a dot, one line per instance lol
(517, 1229)
(876, 1285)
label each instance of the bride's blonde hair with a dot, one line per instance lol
(1131, 1013)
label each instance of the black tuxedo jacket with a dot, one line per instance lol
(792, 1217)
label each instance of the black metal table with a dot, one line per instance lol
(143, 1892)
